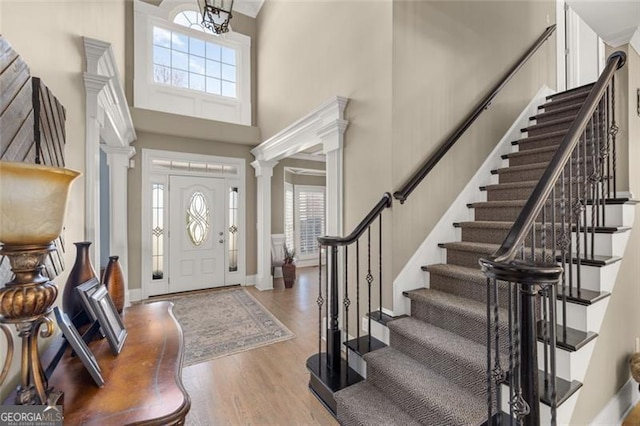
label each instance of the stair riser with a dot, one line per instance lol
(509, 194)
(467, 259)
(548, 129)
(524, 144)
(582, 92)
(604, 244)
(469, 327)
(540, 157)
(469, 289)
(596, 278)
(564, 102)
(471, 377)
(509, 176)
(555, 115)
(506, 214)
(569, 365)
(583, 317)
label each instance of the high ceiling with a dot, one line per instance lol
(617, 22)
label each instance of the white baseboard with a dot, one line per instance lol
(412, 276)
(135, 295)
(250, 280)
(619, 406)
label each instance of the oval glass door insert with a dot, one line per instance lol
(198, 218)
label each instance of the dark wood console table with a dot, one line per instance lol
(143, 385)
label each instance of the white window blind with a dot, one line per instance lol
(310, 209)
(288, 216)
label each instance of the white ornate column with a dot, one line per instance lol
(94, 123)
(264, 172)
(118, 162)
(108, 126)
(332, 136)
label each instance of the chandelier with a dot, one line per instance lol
(216, 14)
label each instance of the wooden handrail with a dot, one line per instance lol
(413, 182)
(384, 203)
(542, 190)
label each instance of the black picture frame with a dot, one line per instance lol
(79, 347)
(109, 320)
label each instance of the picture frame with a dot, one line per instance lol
(79, 347)
(85, 290)
(108, 317)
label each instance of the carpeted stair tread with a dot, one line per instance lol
(363, 405)
(585, 88)
(531, 151)
(452, 356)
(521, 168)
(550, 123)
(464, 282)
(565, 109)
(484, 248)
(466, 306)
(455, 271)
(427, 396)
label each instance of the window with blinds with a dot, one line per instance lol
(288, 216)
(310, 212)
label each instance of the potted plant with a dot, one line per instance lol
(289, 267)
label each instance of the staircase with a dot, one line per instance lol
(434, 370)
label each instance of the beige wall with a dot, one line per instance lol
(48, 35)
(311, 51)
(609, 368)
(447, 55)
(277, 189)
(150, 140)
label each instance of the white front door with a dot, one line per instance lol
(196, 233)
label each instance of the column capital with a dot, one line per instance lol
(118, 155)
(263, 168)
(332, 135)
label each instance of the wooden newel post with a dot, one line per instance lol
(333, 331)
(529, 354)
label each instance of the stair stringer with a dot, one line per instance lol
(429, 252)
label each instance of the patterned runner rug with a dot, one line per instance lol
(224, 322)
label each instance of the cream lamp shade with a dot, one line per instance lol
(33, 202)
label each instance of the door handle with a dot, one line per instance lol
(221, 241)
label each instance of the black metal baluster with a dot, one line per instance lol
(489, 360)
(570, 230)
(498, 373)
(563, 249)
(333, 333)
(552, 350)
(369, 281)
(577, 212)
(545, 337)
(585, 194)
(543, 237)
(347, 303)
(533, 242)
(614, 132)
(512, 320)
(592, 183)
(598, 160)
(554, 252)
(603, 159)
(607, 110)
(380, 264)
(320, 302)
(326, 308)
(358, 292)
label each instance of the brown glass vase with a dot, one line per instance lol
(81, 272)
(289, 274)
(113, 279)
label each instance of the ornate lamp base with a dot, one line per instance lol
(26, 302)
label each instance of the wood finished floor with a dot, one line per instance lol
(268, 385)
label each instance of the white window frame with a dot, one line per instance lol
(288, 187)
(152, 174)
(160, 97)
(306, 260)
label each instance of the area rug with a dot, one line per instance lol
(224, 322)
